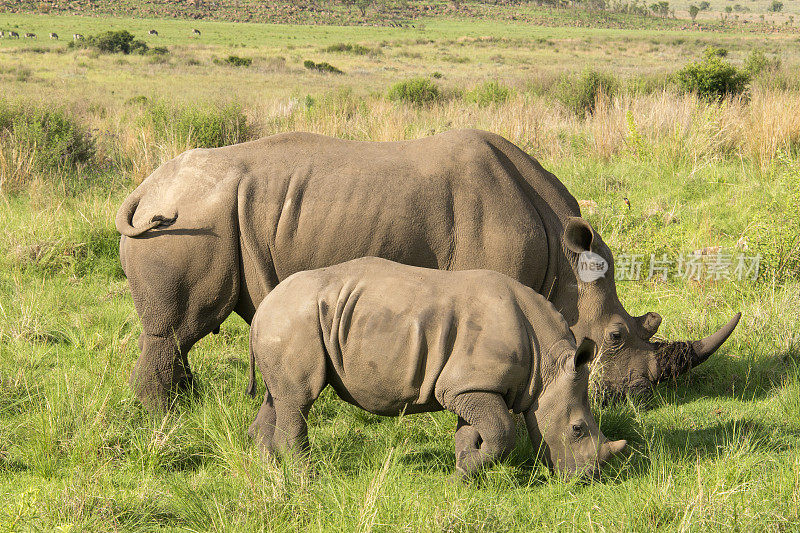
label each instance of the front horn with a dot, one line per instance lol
(676, 358)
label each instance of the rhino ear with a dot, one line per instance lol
(578, 235)
(586, 351)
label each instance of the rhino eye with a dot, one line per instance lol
(577, 431)
(614, 336)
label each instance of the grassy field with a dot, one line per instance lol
(718, 450)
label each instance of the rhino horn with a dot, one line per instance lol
(676, 358)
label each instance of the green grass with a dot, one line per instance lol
(717, 450)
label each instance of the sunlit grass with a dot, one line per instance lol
(717, 449)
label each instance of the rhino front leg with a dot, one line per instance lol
(161, 370)
(485, 433)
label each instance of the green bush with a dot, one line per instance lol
(715, 51)
(116, 42)
(712, 77)
(580, 95)
(321, 67)
(236, 61)
(356, 49)
(202, 126)
(55, 140)
(417, 91)
(491, 92)
(757, 63)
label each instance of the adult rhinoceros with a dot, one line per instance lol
(213, 231)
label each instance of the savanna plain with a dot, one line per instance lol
(658, 169)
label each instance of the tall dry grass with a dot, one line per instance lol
(16, 164)
(664, 127)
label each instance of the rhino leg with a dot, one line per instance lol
(181, 295)
(262, 430)
(485, 433)
(161, 369)
(280, 426)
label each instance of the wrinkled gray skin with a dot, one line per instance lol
(212, 232)
(394, 339)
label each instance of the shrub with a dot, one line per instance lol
(324, 67)
(202, 126)
(139, 99)
(417, 91)
(117, 41)
(237, 61)
(712, 77)
(757, 63)
(491, 92)
(715, 51)
(356, 49)
(54, 139)
(580, 95)
(776, 6)
(159, 50)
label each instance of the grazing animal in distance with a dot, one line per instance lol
(30, 35)
(396, 339)
(213, 231)
(13, 35)
(77, 37)
(54, 36)
(153, 32)
(195, 31)
(2, 34)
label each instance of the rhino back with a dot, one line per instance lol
(446, 202)
(391, 330)
(192, 185)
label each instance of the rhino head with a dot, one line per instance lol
(630, 360)
(560, 423)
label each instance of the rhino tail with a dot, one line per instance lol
(124, 221)
(251, 386)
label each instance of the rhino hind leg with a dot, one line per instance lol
(262, 430)
(485, 433)
(280, 426)
(161, 370)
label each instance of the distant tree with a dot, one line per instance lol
(715, 51)
(362, 6)
(728, 9)
(663, 8)
(776, 6)
(693, 11)
(705, 5)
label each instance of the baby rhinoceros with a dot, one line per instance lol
(394, 339)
